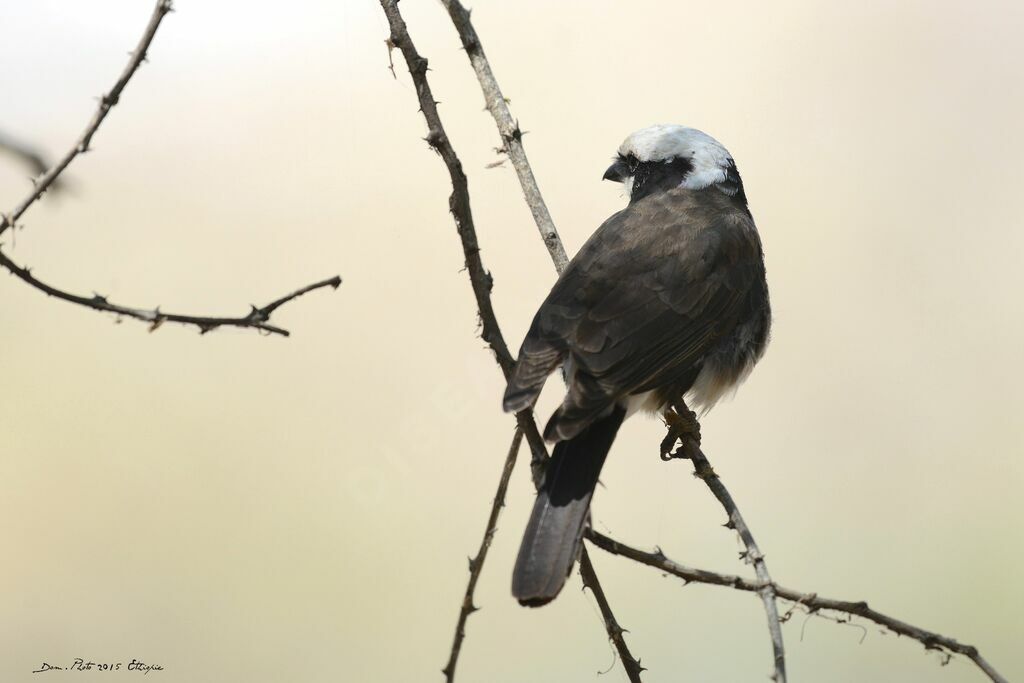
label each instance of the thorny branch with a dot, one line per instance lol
(257, 318)
(508, 128)
(811, 602)
(107, 102)
(480, 279)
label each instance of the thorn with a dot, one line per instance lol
(434, 139)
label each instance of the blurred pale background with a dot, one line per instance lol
(262, 509)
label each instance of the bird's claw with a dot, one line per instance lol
(683, 428)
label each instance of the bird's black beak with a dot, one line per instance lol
(617, 172)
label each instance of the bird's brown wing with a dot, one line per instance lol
(653, 290)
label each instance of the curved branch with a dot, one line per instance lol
(257, 318)
(107, 102)
(811, 601)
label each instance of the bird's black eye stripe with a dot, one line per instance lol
(630, 161)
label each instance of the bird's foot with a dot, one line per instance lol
(683, 428)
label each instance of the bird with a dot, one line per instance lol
(666, 302)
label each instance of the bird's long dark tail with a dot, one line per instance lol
(555, 530)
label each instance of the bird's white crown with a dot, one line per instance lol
(664, 142)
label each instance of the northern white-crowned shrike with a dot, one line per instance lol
(667, 299)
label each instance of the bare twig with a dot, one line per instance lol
(481, 555)
(257, 318)
(703, 470)
(615, 632)
(508, 128)
(107, 102)
(480, 279)
(810, 601)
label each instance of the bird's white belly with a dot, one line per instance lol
(712, 384)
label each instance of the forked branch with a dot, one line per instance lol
(511, 136)
(257, 318)
(811, 602)
(480, 279)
